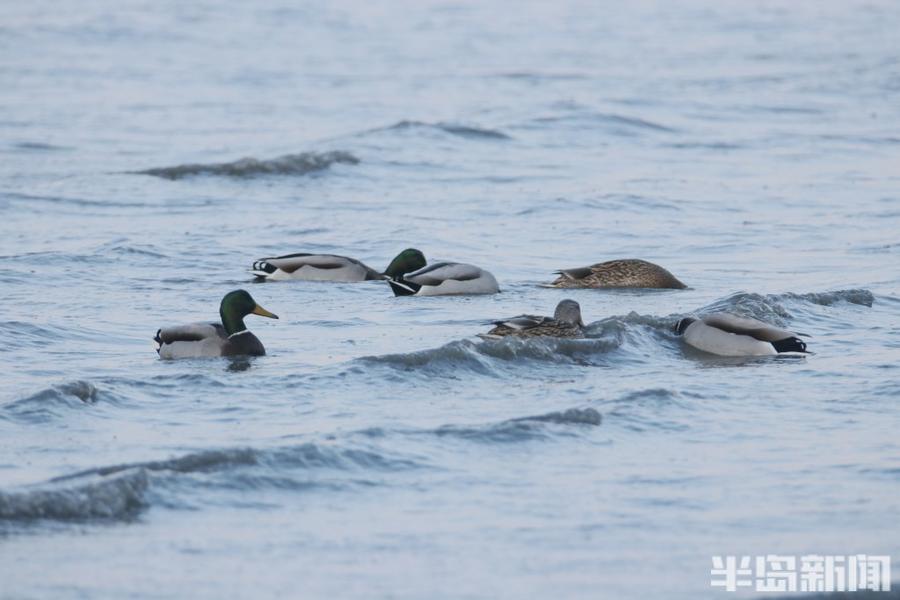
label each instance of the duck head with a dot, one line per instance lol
(406, 262)
(568, 311)
(235, 306)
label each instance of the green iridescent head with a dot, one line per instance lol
(406, 262)
(235, 306)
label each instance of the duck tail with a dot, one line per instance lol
(791, 344)
(262, 268)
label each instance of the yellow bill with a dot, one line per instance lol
(259, 310)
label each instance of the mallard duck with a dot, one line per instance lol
(729, 335)
(565, 323)
(332, 267)
(228, 338)
(622, 273)
(443, 279)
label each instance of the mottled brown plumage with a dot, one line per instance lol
(565, 323)
(622, 273)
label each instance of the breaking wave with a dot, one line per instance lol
(290, 164)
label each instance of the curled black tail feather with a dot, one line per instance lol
(262, 265)
(791, 344)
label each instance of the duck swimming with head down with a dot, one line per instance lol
(622, 273)
(438, 279)
(332, 267)
(725, 334)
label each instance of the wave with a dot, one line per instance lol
(539, 76)
(304, 456)
(716, 146)
(82, 202)
(48, 403)
(771, 308)
(457, 129)
(861, 297)
(486, 356)
(118, 497)
(123, 248)
(524, 428)
(652, 410)
(290, 164)
(618, 123)
(612, 202)
(629, 337)
(40, 146)
(510, 430)
(764, 308)
(571, 416)
(19, 334)
(122, 490)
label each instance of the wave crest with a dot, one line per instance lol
(457, 129)
(290, 164)
(577, 416)
(120, 491)
(771, 308)
(524, 428)
(486, 356)
(46, 404)
(861, 297)
(117, 497)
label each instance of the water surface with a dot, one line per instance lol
(152, 151)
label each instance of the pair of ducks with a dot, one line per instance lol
(721, 333)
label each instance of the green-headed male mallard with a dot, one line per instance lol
(622, 273)
(439, 279)
(332, 267)
(725, 334)
(228, 338)
(565, 323)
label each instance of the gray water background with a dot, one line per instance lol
(380, 450)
